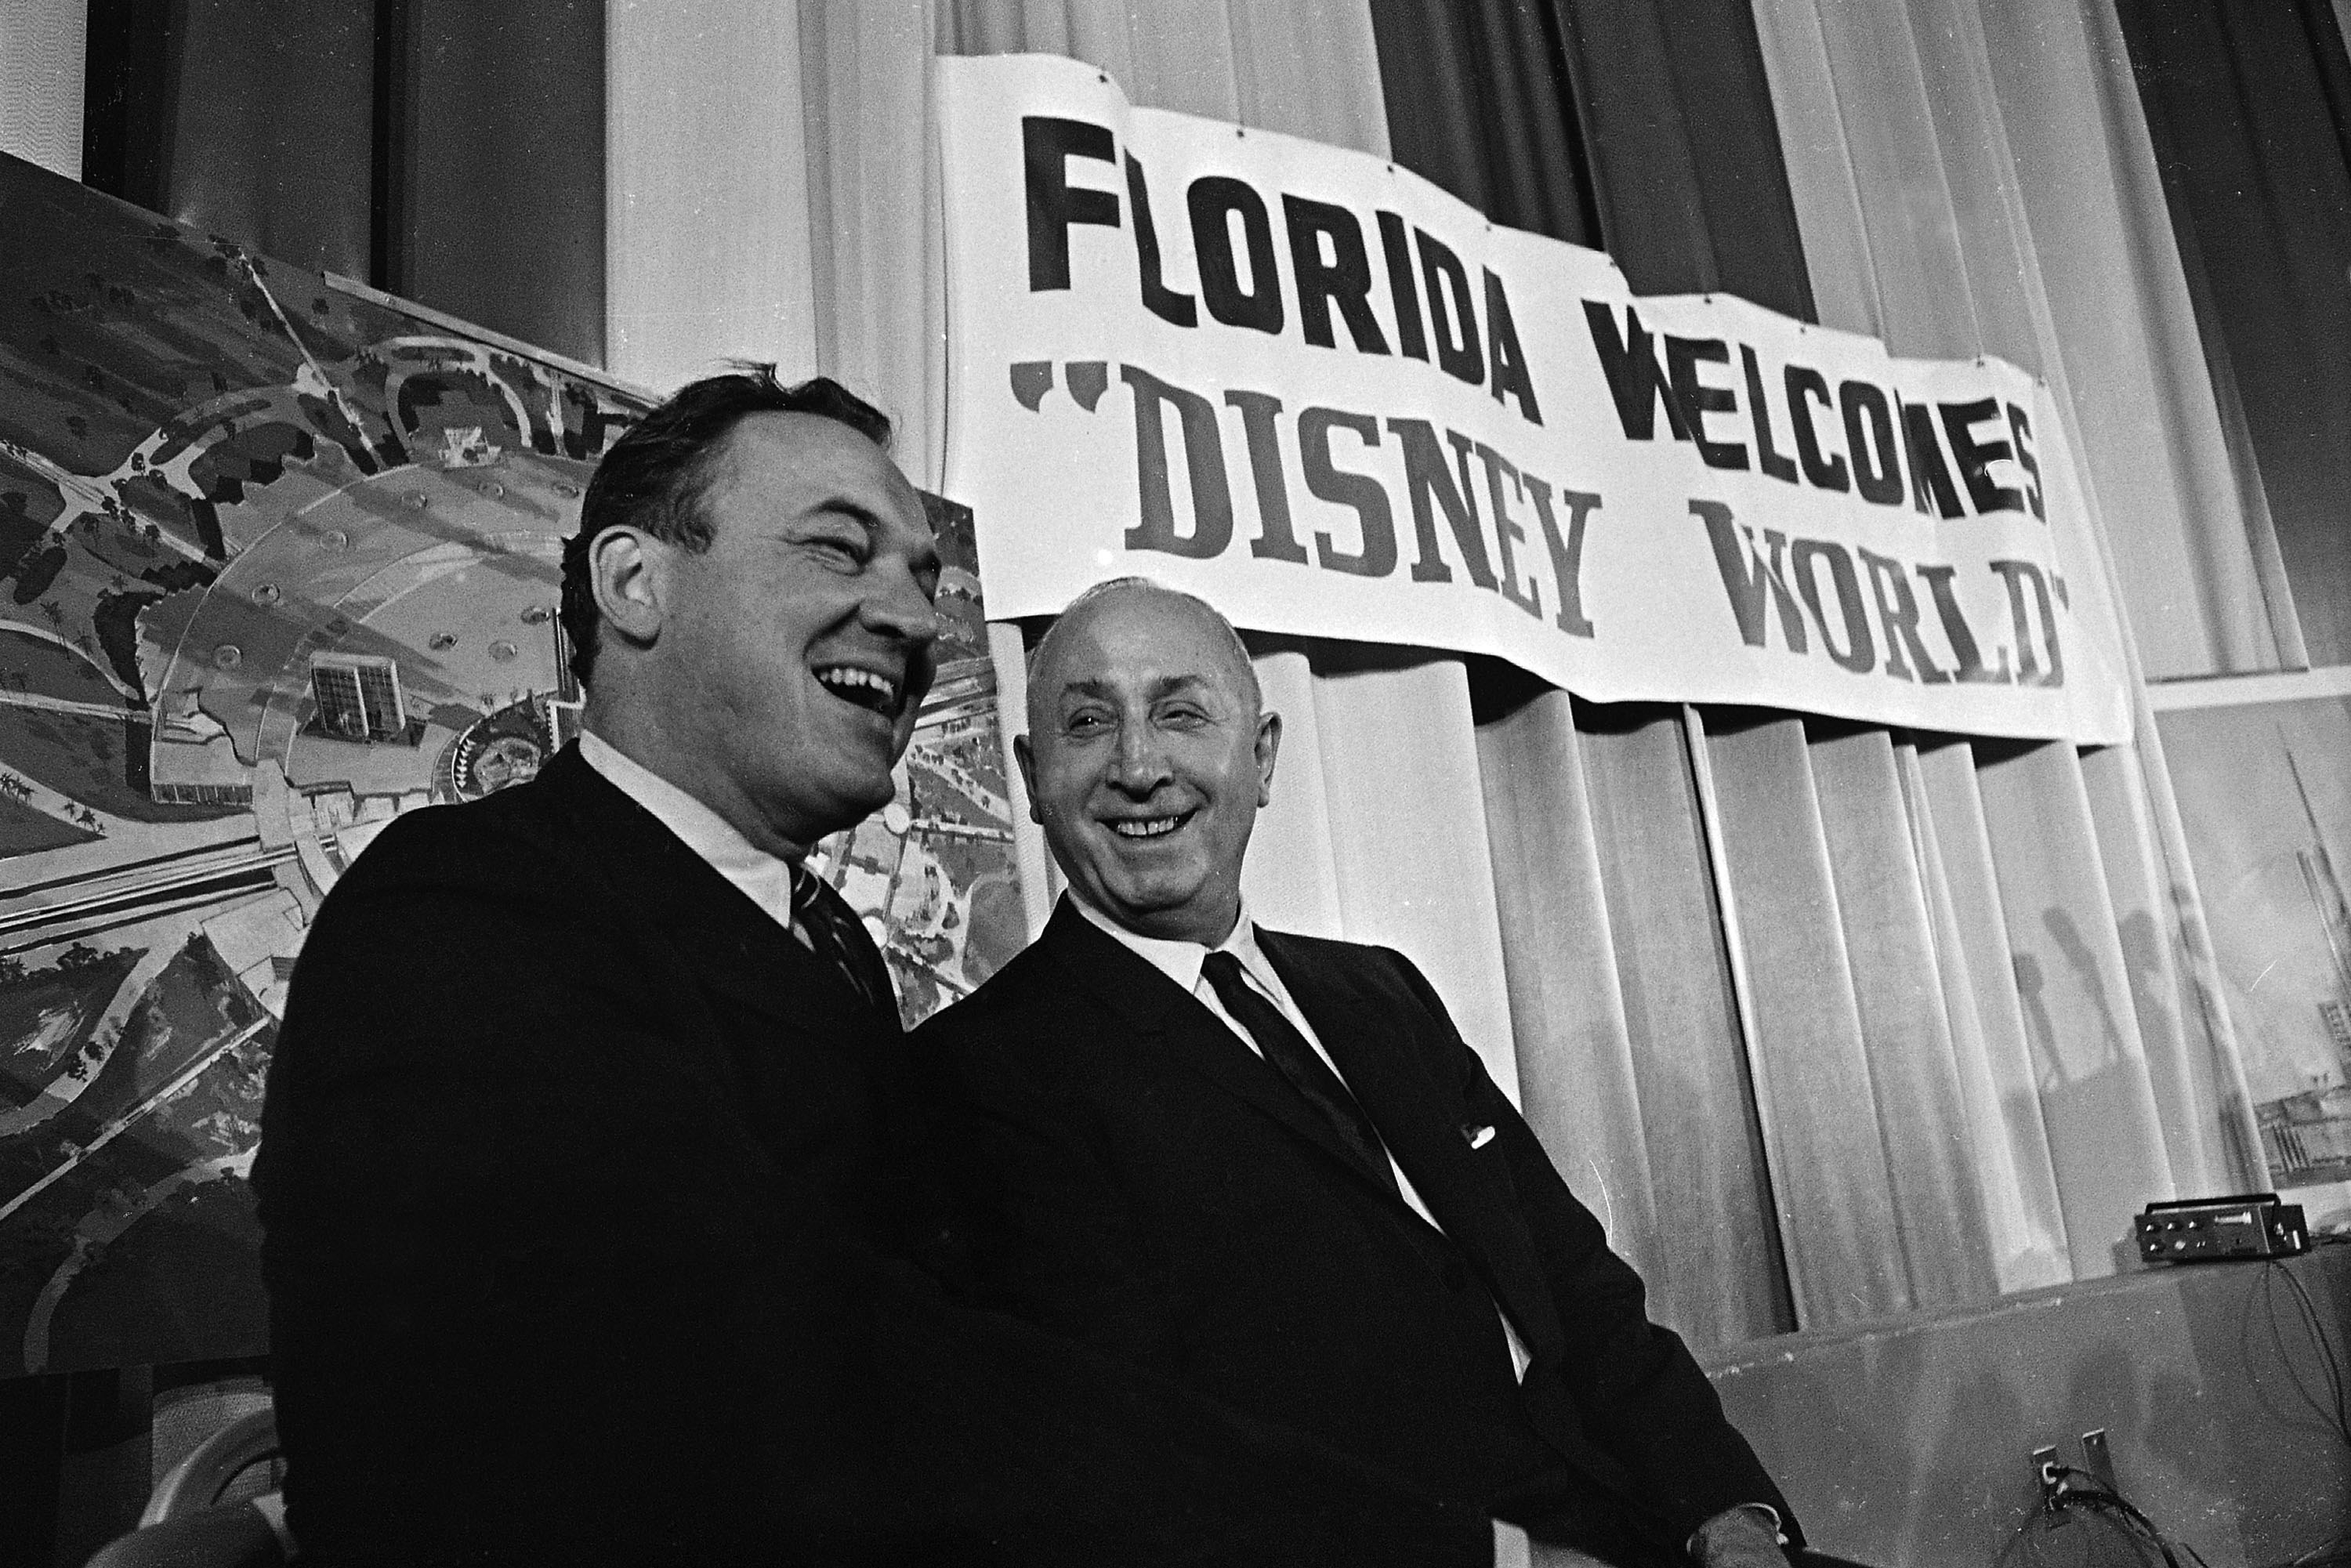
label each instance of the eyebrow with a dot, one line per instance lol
(864, 516)
(1166, 686)
(875, 524)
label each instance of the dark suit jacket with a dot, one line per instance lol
(579, 1197)
(1153, 1187)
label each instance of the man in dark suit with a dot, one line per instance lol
(1267, 1165)
(578, 1174)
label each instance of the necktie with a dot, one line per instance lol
(821, 921)
(1299, 1065)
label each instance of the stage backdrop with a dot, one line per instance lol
(278, 560)
(1339, 402)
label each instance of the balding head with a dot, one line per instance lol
(1076, 611)
(1147, 756)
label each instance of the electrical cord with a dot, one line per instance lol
(2122, 1523)
(2327, 1554)
(2338, 1417)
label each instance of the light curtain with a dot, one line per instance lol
(1960, 988)
(1826, 1021)
(1381, 744)
(1974, 178)
(41, 57)
(1377, 832)
(1642, 1022)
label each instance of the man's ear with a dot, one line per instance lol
(624, 574)
(1268, 745)
(1027, 759)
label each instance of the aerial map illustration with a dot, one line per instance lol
(278, 561)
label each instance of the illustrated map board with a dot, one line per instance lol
(280, 559)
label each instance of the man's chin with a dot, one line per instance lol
(1175, 914)
(854, 799)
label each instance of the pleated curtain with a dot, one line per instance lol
(1959, 992)
(2249, 107)
(1377, 830)
(41, 70)
(1975, 178)
(1824, 1020)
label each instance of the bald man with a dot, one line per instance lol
(1267, 1166)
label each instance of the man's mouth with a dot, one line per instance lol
(1147, 828)
(862, 688)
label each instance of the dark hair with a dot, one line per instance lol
(657, 476)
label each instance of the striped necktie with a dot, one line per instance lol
(822, 922)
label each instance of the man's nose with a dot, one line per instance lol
(897, 605)
(1139, 765)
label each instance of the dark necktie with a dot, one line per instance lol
(1300, 1064)
(822, 923)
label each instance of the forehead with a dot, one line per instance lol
(1140, 640)
(782, 465)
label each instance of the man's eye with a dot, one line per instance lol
(1183, 718)
(843, 547)
(1084, 722)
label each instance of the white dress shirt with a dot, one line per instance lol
(765, 879)
(1183, 962)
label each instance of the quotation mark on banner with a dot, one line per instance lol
(1032, 379)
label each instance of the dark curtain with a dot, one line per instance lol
(2247, 106)
(1641, 127)
(250, 119)
(498, 164)
(446, 150)
(1478, 102)
(1647, 131)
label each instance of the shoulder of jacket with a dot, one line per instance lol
(504, 837)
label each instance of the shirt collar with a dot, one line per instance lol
(765, 879)
(1180, 961)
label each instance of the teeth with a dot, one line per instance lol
(1152, 829)
(848, 679)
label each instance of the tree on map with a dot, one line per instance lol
(80, 956)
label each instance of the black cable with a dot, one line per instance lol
(2339, 1417)
(2135, 1530)
(2325, 1555)
(2110, 1503)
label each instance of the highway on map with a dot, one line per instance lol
(71, 908)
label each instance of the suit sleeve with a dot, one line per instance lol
(535, 1299)
(1638, 1392)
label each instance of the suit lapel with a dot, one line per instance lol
(730, 945)
(1161, 1015)
(1467, 1192)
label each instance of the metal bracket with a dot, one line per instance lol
(2099, 1461)
(2050, 1475)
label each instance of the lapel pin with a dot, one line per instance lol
(1479, 1136)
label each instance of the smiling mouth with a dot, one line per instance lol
(863, 688)
(1144, 828)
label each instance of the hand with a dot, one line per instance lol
(1743, 1537)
